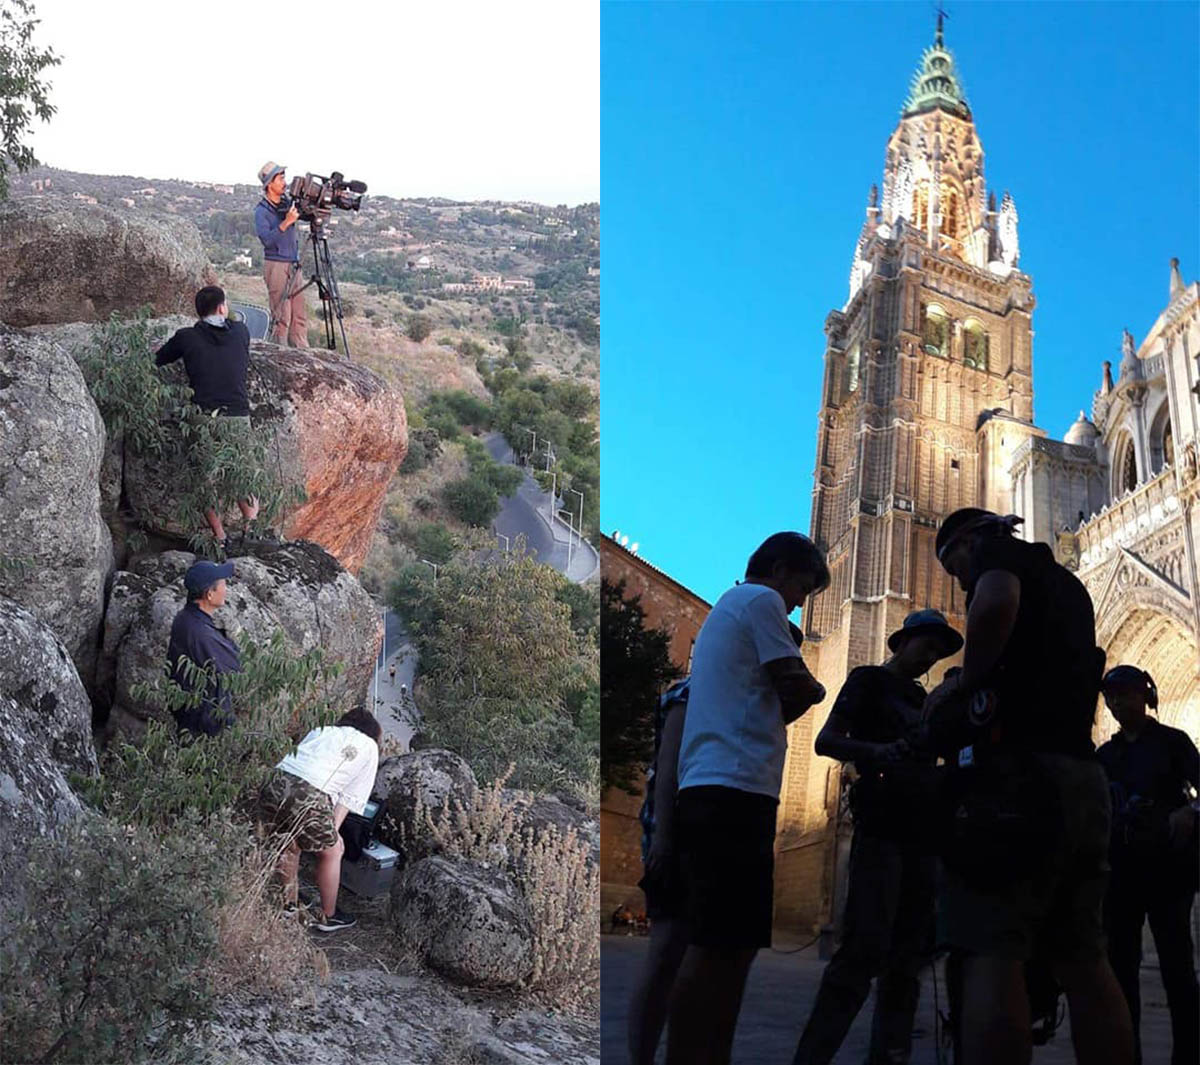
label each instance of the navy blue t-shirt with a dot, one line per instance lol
(193, 635)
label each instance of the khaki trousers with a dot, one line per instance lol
(287, 303)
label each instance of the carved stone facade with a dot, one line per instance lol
(927, 406)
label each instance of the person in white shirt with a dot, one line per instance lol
(748, 684)
(306, 798)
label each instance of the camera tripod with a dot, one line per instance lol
(323, 277)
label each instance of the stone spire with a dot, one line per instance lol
(1176, 279)
(1131, 365)
(936, 83)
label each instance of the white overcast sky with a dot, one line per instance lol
(483, 100)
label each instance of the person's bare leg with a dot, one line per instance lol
(329, 875)
(995, 1013)
(215, 523)
(1101, 1030)
(288, 872)
(652, 993)
(704, 1009)
(249, 508)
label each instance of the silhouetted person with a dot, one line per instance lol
(1009, 893)
(1151, 769)
(888, 919)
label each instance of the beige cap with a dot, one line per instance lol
(268, 171)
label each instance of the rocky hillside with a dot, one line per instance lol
(395, 259)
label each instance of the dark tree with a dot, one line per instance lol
(635, 667)
(24, 96)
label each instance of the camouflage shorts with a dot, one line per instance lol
(291, 807)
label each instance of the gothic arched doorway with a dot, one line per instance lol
(1161, 645)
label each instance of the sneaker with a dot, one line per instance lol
(339, 920)
(289, 912)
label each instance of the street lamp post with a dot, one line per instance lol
(533, 447)
(432, 566)
(577, 492)
(501, 536)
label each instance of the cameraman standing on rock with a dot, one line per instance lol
(275, 223)
(1026, 846)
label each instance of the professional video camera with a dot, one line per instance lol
(314, 196)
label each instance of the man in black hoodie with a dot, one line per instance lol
(216, 355)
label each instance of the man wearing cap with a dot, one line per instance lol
(197, 639)
(275, 224)
(1038, 891)
(888, 919)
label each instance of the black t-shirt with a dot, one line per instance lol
(216, 359)
(878, 706)
(1048, 676)
(1147, 776)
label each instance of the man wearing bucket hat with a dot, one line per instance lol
(275, 223)
(196, 639)
(1027, 869)
(888, 919)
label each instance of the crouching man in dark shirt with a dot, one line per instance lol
(194, 637)
(888, 920)
(1026, 867)
(216, 356)
(1151, 768)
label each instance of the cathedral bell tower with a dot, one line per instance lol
(927, 394)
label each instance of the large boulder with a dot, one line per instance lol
(465, 921)
(57, 551)
(79, 263)
(296, 587)
(45, 734)
(338, 430)
(423, 782)
(541, 813)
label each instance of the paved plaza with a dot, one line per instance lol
(781, 991)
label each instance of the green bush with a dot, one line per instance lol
(472, 499)
(110, 948)
(277, 698)
(433, 541)
(417, 457)
(419, 327)
(150, 409)
(504, 677)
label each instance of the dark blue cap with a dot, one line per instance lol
(203, 575)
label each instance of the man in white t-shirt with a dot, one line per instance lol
(748, 684)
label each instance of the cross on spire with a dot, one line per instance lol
(941, 14)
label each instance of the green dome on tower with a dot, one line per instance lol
(936, 83)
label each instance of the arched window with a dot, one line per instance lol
(975, 345)
(1124, 466)
(951, 220)
(852, 369)
(920, 211)
(1162, 445)
(935, 330)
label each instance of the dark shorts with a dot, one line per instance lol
(664, 893)
(727, 865)
(293, 809)
(1057, 909)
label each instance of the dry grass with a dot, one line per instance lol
(553, 873)
(257, 949)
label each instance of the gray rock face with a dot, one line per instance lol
(367, 1017)
(79, 263)
(466, 921)
(541, 812)
(45, 733)
(56, 551)
(433, 778)
(297, 587)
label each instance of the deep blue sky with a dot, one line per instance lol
(738, 146)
